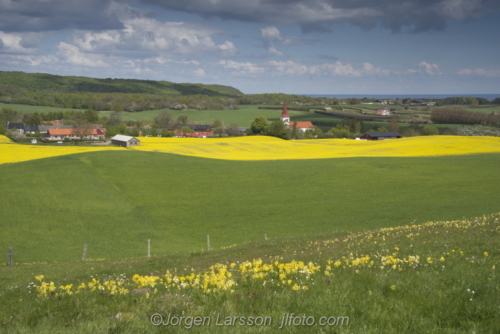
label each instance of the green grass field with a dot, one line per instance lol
(438, 278)
(115, 201)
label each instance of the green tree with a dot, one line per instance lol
(278, 129)
(165, 119)
(233, 130)
(259, 125)
(91, 115)
(34, 119)
(134, 132)
(394, 124)
(114, 119)
(340, 131)
(186, 129)
(217, 123)
(182, 119)
(117, 107)
(430, 131)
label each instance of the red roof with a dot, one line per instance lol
(285, 111)
(55, 123)
(69, 132)
(301, 125)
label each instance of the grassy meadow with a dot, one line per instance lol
(115, 200)
(358, 244)
(438, 277)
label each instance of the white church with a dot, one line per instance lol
(285, 118)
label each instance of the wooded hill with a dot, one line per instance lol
(41, 82)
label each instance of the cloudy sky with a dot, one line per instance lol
(263, 46)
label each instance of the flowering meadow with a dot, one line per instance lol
(437, 277)
(271, 148)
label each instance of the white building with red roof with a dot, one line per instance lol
(285, 118)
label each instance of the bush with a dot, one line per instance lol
(430, 131)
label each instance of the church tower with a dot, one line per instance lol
(284, 115)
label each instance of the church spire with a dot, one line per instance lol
(284, 115)
(285, 111)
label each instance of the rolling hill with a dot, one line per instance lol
(42, 82)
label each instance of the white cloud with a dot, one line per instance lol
(327, 69)
(372, 70)
(199, 72)
(426, 68)
(272, 35)
(273, 51)
(480, 72)
(242, 68)
(19, 42)
(288, 67)
(72, 54)
(149, 35)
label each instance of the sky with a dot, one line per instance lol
(263, 46)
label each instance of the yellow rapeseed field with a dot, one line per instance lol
(12, 152)
(270, 148)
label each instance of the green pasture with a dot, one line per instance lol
(31, 109)
(116, 201)
(452, 288)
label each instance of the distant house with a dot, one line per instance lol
(125, 141)
(62, 134)
(418, 103)
(302, 126)
(31, 129)
(18, 126)
(44, 128)
(380, 136)
(384, 112)
(55, 123)
(202, 127)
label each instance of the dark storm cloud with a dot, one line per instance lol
(36, 15)
(310, 15)
(320, 15)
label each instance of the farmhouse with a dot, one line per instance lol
(18, 126)
(380, 136)
(46, 128)
(384, 112)
(61, 134)
(285, 118)
(125, 141)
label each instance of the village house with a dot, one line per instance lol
(68, 134)
(384, 112)
(18, 126)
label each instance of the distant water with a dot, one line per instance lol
(489, 97)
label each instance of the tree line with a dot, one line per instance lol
(460, 116)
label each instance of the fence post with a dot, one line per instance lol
(149, 248)
(10, 257)
(84, 256)
(208, 243)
